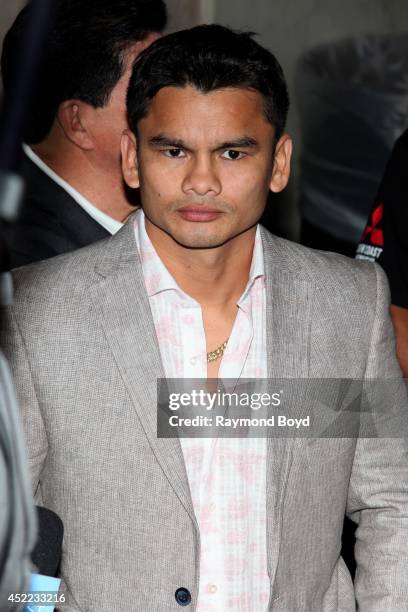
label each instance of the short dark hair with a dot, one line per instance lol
(84, 53)
(208, 57)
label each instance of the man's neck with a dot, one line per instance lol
(105, 190)
(214, 277)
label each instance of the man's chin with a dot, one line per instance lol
(208, 240)
(199, 238)
(200, 243)
(193, 238)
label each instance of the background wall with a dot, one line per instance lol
(289, 28)
(183, 13)
(8, 11)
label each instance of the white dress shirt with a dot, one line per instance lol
(227, 477)
(111, 225)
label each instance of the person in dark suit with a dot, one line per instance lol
(71, 156)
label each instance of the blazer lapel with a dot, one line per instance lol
(121, 302)
(288, 319)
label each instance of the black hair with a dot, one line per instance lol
(84, 53)
(208, 57)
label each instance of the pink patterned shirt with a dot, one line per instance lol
(227, 477)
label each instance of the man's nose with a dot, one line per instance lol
(202, 178)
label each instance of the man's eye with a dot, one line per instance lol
(233, 155)
(174, 153)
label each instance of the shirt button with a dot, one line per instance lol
(193, 361)
(212, 506)
(212, 588)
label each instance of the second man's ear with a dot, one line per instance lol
(73, 117)
(129, 159)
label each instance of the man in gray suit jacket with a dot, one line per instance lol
(191, 287)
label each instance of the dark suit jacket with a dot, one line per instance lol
(50, 221)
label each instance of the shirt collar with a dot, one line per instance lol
(158, 278)
(111, 225)
(257, 269)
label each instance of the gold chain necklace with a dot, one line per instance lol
(214, 355)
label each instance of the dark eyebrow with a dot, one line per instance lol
(165, 141)
(246, 142)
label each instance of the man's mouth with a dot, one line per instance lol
(200, 214)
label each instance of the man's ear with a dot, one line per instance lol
(129, 159)
(281, 164)
(73, 117)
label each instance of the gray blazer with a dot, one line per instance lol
(82, 346)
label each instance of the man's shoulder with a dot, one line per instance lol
(311, 264)
(66, 272)
(325, 271)
(285, 256)
(40, 190)
(71, 273)
(50, 221)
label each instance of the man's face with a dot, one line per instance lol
(109, 121)
(205, 164)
